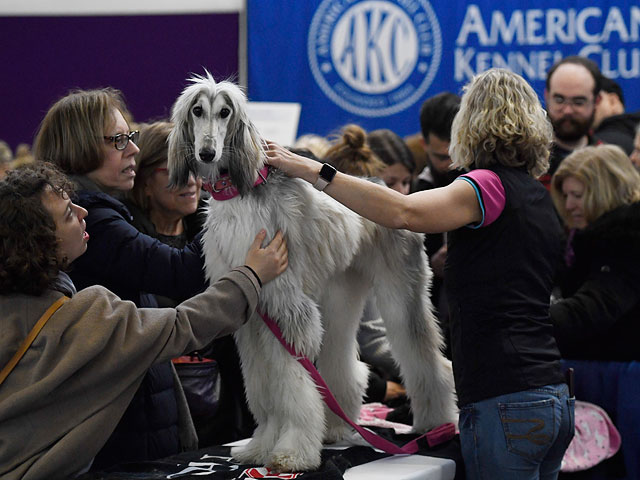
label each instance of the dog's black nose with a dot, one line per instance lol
(207, 156)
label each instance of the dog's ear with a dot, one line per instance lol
(244, 142)
(181, 158)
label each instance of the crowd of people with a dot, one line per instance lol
(531, 218)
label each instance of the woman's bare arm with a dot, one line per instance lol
(430, 211)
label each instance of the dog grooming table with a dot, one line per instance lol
(339, 463)
(395, 467)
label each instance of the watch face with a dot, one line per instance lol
(327, 172)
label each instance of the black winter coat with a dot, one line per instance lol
(599, 317)
(129, 264)
(619, 130)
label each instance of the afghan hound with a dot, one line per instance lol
(335, 259)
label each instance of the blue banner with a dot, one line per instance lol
(373, 62)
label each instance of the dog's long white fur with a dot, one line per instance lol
(335, 258)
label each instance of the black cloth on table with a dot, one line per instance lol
(216, 462)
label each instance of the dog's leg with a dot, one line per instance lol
(281, 395)
(346, 376)
(257, 378)
(426, 373)
(299, 409)
(416, 341)
(397, 265)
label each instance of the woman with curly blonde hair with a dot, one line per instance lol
(501, 122)
(504, 243)
(596, 190)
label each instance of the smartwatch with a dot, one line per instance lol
(327, 172)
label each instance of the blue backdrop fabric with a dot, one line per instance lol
(373, 62)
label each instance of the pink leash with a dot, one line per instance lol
(434, 437)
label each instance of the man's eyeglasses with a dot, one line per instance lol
(559, 101)
(121, 140)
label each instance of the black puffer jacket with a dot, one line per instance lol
(599, 317)
(126, 261)
(129, 264)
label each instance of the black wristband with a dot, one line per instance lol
(255, 275)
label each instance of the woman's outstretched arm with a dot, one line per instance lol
(430, 211)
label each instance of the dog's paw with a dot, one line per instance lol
(248, 454)
(294, 461)
(341, 434)
(423, 421)
(347, 438)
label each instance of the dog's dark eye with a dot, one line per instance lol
(197, 111)
(224, 113)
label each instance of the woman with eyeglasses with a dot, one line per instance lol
(87, 134)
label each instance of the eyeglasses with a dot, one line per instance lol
(558, 101)
(121, 140)
(160, 169)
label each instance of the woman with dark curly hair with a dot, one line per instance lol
(62, 398)
(29, 241)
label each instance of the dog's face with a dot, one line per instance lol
(209, 118)
(213, 133)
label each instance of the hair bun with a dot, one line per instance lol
(353, 136)
(351, 153)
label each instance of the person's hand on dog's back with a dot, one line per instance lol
(270, 261)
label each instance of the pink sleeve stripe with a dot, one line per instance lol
(492, 196)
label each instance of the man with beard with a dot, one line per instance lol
(571, 95)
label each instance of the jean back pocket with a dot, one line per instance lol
(529, 427)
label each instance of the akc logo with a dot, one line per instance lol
(374, 57)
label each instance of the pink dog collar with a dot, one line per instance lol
(223, 188)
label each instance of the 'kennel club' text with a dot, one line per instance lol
(527, 30)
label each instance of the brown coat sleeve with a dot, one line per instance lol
(70, 389)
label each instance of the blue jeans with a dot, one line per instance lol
(518, 436)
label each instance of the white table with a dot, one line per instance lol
(396, 467)
(404, 467)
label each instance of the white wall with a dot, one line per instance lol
(116, 7)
